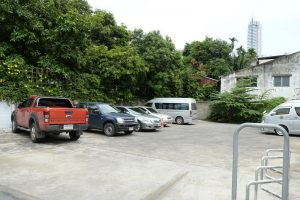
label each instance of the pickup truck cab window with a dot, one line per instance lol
(51, 102)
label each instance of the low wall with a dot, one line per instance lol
(5, 113)
(203, 110)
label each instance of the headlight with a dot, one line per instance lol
(120, 120)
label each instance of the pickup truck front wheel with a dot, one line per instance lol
(74, 135)
(14, 126)
(109, 129)
(34, 131)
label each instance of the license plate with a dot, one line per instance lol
(131, 128)
(68, 127)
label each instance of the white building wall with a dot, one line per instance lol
(5, 113)
(286, 65)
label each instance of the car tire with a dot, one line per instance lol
(14, 126)
(128, 132)
(74, 135)
(109, 129)
(179, 120)
(34, 132)
(279, 132)
(138, 127)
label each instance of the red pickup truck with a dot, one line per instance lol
(42, 115)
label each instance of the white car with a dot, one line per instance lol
(286, 115)
(167, 119)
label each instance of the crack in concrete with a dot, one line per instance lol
(156, 194)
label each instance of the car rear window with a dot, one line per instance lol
(194, 106)
(48, 102)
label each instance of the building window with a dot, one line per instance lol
(251, 81)
(281, 81)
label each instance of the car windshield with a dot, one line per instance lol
(152, 110)
(105, 108)
(133, 111)
(138, 110)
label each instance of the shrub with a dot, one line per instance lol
(239, 105)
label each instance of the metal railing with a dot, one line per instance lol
(285, 168)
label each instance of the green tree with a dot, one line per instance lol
(163, 61)
(243, 58)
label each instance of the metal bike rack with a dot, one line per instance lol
(285, 168)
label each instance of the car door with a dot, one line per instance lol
(27, 112)
(22, 113)
(296, 119)
(94, 116)
(19, 113)
(282, 116)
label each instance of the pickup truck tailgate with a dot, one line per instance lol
(67, 116)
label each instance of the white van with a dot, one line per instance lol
(286, 115)
(182, 110)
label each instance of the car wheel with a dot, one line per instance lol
(34, 132)
(179, 120)
(278, 132)
(128, 132)
(74, 135)
(138, 127)
(109, 129)
(14, 126)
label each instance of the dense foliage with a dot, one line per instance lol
(64, 48)
(241, 105)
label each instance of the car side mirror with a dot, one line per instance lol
(97, 111)
(273, 113)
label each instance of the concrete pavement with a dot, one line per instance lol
(178, 162)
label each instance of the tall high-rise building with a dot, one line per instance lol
(254, 36)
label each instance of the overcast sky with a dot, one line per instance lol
(189, 20)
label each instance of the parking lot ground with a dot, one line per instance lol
(178, 162)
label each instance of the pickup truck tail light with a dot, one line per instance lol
(87, 116)
(46, 116)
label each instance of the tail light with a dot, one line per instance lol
(46, 116)
(87, 116)
(190, 113)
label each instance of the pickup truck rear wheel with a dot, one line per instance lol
(34, 131)
(109, 129)
(14, 126)
(74, 135)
